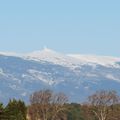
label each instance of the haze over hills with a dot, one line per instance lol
(76, 75)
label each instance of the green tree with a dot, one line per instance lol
(1, 111)
(16, 110)
(74, 112)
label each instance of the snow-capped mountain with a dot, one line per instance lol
(76, 75)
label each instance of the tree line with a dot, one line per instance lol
(49, 105)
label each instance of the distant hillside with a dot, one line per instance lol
(76, 75)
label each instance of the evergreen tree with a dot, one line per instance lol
(74, 112)
(16, 110)
(1, 111)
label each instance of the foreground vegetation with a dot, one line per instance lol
(47, 105)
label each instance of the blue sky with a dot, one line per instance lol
(68, 26)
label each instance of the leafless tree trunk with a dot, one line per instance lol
(102, 102)
(46, 105)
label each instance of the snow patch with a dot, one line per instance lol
(91, 75)
(43, 76)
(1, 72)
(14, 87)
(24, 94)
(110, 76)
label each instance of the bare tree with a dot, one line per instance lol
(102, 104)
(46, 105)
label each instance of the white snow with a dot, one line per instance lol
(43, 76)
(53, 57)
(101, 60)
(24, 94)
(10, 54)
(14, 87)
(86, 87)
(91, 75)
(72, 60)
(110, 76)
(1, 72)
(69, 60)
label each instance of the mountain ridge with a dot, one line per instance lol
(20, 75)
(49, 53)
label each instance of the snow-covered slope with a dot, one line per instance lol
(53, 57)
(72, 60)
(101, 60)
(76, 75)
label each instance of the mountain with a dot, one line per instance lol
(76, 75)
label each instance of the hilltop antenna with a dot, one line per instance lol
(45, 47)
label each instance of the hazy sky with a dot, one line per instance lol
(68, 26)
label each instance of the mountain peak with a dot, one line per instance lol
(46, 49)
(45, 54)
